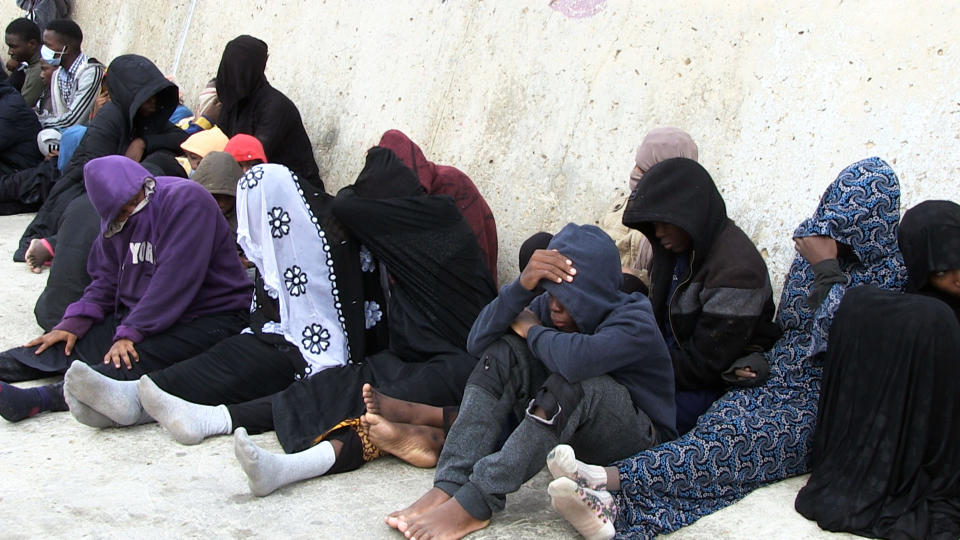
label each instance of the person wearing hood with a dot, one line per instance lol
(308, 277)
(167, 284)
(886, 453)
(420, 257)
(44, 11)
(752, 437)
(25, 191)
(447, 180)
(134, 123)
(76, 82)
(659, 144)
(218, 173)
(709, 286)
(18, 134)
(201, 143)
(589, 368)
(252, 106)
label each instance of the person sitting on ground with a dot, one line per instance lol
(201, 143)
(218, 173)
(421, 253)
(709, 286)
(167, 285)
(44, 11)
(133, 123)
(593, 371)
(23, 43)
(247, 150)
(18, 134)
(208, 110)
(665, 488)
(636, 253)
(25, 191)
(76, 82)
(308, 279)
(447, 180)
(886, 452)
(252, 106)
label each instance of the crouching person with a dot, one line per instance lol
(593, 372)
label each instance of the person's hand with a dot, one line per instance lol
(12, 65)
(136, 149)
(816, 249)
(121, 352)
(547, 264)
(524, 321)
(51, 338)
(745, 374)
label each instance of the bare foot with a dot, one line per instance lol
(417, 445)
(398, 410)
(447, 521)
(37, 254)
(430, 500)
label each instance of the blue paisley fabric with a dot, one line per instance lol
(755, 436)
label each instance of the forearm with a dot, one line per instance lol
(495, 319)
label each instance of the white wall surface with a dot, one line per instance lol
(544, 111)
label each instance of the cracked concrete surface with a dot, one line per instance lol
(63, 479)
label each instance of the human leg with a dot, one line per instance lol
(117, 400)
(17, 404)
(189, 423)
(417, 445)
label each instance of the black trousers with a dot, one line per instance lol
(238, 369)
(179, 342)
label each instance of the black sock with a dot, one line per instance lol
(19, 403)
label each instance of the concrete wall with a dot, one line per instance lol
(544, 109)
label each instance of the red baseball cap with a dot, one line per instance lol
(245, 147)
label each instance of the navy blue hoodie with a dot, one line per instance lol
(618, 333)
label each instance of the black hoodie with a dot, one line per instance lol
(18, 132)
(929, 239)
(252, 106)
(723, 307)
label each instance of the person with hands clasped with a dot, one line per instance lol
(587, 367)
(167, 285)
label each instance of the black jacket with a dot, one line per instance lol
(723, 308)
(18, 131)
(252, 106)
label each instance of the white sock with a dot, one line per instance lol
(267, 471)
(591, 512)
(84, 414)
(117, 400)
(562, 462)
(189, 423)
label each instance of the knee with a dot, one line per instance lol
(555, 403)
(494, 368)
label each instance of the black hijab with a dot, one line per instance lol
(929, 239)
(241, 71)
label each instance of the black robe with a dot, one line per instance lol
(886, 453)
(252, 106)
(437, 284)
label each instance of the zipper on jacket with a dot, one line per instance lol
(674, 295)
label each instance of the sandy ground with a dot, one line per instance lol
(59, 478)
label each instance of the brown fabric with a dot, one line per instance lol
(660, 144)
(370, 450)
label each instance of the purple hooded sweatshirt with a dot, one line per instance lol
(174, 260)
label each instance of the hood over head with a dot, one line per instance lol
(856, 210)
(595, 290)
(111, 182)
(206, 141)
(241, 70)
(678, 191)
(929, 239)
(133, 80)
(411, 156)
(218, 173)
(660, 144)
(384, 176)
(245, 147)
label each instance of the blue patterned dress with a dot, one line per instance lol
(756, 436)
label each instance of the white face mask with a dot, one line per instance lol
(51, 56)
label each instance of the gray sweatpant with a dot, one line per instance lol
(596, 417)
